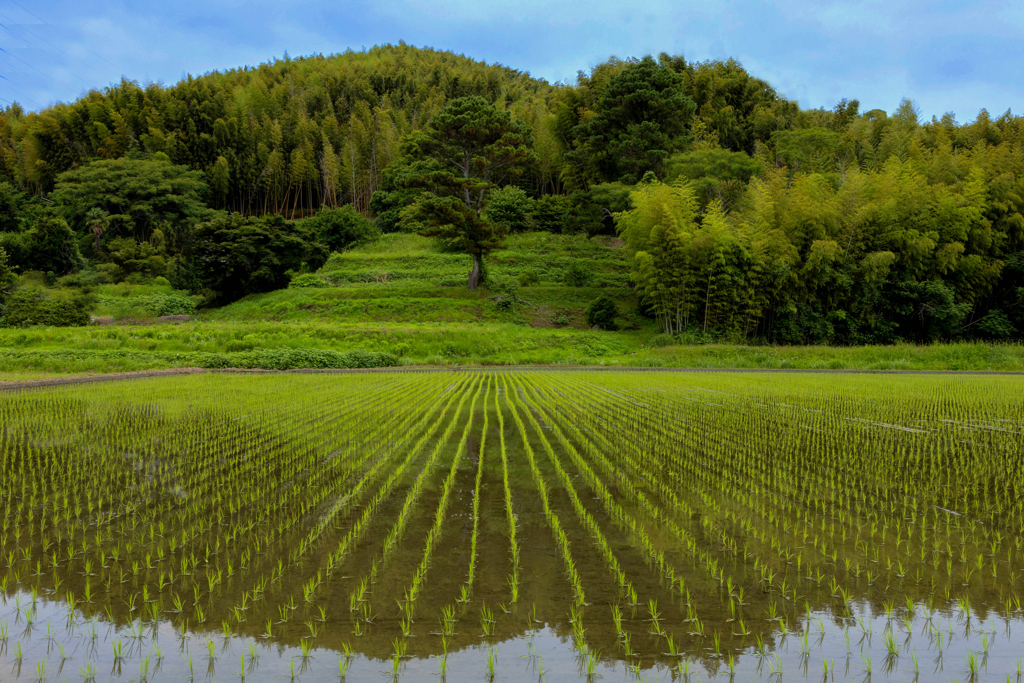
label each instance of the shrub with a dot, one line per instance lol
(235, 256)
(550, 213)
(83, 279)
(602, 313)
(141, 259)
(25, 307)
(341, 228)
(662, 339)
(529, 278)
(510, 206)
(6, 276)
(49, 246)
(157, 304)
(507, 290)
(308, 280)
(577, 275)
(169, 304)
(292, 359)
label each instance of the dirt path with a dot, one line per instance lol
(11, 385)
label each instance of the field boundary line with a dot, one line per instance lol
(12, 385)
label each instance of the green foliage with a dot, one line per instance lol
(577, 274)
(291, 359)
(27, 306)
(469, 148)
(10, 200)
(550, 213)
(18, 210)
(241, 126)
(166, 304)
(528, 278)
(126, 257)
(236, 256)
(510, 206)
(640, 118)
(507, 291)
(996, 325)
(807, 226)
(307, 281)
(7, 276)
(602, 313)
(715, 173)
(341, 228)
(811, 149)
(139, 197)
(48, 246)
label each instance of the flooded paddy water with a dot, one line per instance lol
(514, 526)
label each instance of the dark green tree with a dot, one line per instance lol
(550, 213)
(341, 228)
(715, 173)
(641, 118)
(510, 206)
(236, 256)
(49, 246)
(468, 149)
(10, 208)
(6, 276)
(602, 313)
(140, 196)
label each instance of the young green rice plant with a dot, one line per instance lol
(487, 620)
(891, 646)
(89, 670)
(973, 665)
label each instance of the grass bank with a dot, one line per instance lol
(48, 351)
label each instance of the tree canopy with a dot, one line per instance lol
(468, 149)
(746, 215)
(236, 256)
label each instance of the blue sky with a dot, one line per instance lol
(945, 55)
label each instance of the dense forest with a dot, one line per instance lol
(746, 216)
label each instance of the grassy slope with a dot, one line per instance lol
(406, 278)
(405, 296)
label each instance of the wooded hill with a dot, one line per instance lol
(744, 215)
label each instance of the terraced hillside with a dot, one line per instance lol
(407, 278)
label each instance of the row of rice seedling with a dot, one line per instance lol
(695, 519)
(361, 598)
(777, 505)
(412, 592)
(561, 538)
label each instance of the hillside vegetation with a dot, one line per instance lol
(406, 278)
(688, 201)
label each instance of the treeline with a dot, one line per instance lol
(747, 216)
(286, 137)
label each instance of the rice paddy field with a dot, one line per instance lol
(514, 526)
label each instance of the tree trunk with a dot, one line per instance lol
(474, 274)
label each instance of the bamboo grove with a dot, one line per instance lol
(692, 524)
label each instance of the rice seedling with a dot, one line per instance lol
(89, 670)
(214, 502)
(491, 662)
